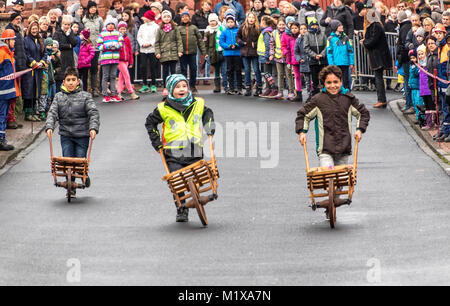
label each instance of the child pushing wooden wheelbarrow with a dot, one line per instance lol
(184, 118)
(333, 109)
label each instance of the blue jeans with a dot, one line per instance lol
(74, 146)
(248, 63)
(206, 62)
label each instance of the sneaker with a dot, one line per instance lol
(144, 89)
(106, 99)
(116, 98)
(182, 214)
(134, 96)
(73, 193)
(290, 96)
(153, 89)
(238, 92)
(258, 92)
(4, 146)
(229, 92)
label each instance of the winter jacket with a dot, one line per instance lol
(76, 112)
(432, 63)
(19, 49)
(413, 81)
(132, 35)
(339, 13)
(333, 121)
(239, 10)
(443, 60)
(376, 44)
(248, 43)
(154, 119)
(391, 26)
(402, 47)
(109, 43)
(126, 52)
(200, 19)
(301, 56)
(288, 48)
(168, 44)
(32, 81)
(259, 13)
(77, 47)
(66, 45)
(222, 28)
(87, 53)
(116, 14)
(315, 44)
(95, 25)
(423, 82)
(269, 43)
(309, 13)
(191, 38)
(147, 35)
(210, 45)
(8, 89)
(340, 50)
(228, 40)
(57, 67)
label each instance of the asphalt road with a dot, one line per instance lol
(122, 230)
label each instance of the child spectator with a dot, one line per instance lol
(57, 65)
(302, 59)
(247, 38)
(168, 46)
(210, 45)
(180, 8)
(75, 29)
(414, 85)
(315, 43)
(157, 8)
(192, 42)
(223, 64)
(231, 53)
(8, 87)
(147, 38)
(78, 117)
(280, 62)
(51, 83)
(132, 31)
(266, 54)
(125, 61)
(425, 93)
(109, 43)
(181, 136)
(288, 48)
(340, 51)
(67, 42)
(87, 53)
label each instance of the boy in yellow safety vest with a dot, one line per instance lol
(183, 118)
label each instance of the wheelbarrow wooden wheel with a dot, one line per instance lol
(69, 185)
(331, 207)
(199, 207)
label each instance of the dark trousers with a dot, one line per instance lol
(379, 84)
(4, 110)
(345, 76)
(191, 61)
(429, 103)
(174, 166)
(169, 68)
(74, 146)
(315, 70)
(234, 65)
(94, 71)
(84, 74)
(405, 84)
(148, 61)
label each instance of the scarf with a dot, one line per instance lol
(210, 29)
(172, 82)
(167, 27)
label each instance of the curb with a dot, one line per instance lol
(424, 144)
(27, 141)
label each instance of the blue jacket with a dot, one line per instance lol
(77, 48)
(414, 82)
(240, 13)
(340, 50)
(228, 39)
(7, 87)
(300, 55)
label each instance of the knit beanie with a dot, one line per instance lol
(185, 13)
(212, 17)
(401, 16)
(157, 5)
(422, 48)
(412, 52)
(150, 15)
(122, 24)
(420, 32)
(166, 12)
(14, 15)
(91, 4)
(289, 19)
(230, 12)
(334, 25)
(86, 33)
(359, 7)
(111, 20)
(48, 41)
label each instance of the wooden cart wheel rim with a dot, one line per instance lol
(199, 207)
(331, 207)
(69, 185)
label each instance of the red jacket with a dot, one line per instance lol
(126, 52)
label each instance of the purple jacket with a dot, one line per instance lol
(86, 55)
(423, 83)
(288, 48)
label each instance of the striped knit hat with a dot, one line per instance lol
(171, 83)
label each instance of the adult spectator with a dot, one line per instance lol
(272, 8)
(402, 53)
(94, 23)
(259, 9)
(200, 18)
(145, 8)
(337, 11)
(391, 24)
(116, 10)
(18, 6)
(180, 8)
(380, 58)
(446, 20)
(235, 6)
(287, 9)
(157, 8)
(428, 25)
(358, 19)
(55, 23)
(166, 7)
(312, 11)
(402, 5)
(77, 12)
(43, 27)
(422, 7)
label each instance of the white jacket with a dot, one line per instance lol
(147, 35)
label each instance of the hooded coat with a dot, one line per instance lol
(339, 13)
(32, 81)
(315, 43)
(376, 44)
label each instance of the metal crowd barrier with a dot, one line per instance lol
(362, 63)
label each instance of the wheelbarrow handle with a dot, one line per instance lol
(51, 146)
(211, 148)
(164, 161)
(90, 148)
(355, 155)
(306, 156)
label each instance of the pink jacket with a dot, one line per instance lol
(86, 55)
(126, 53)
(288, 47)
